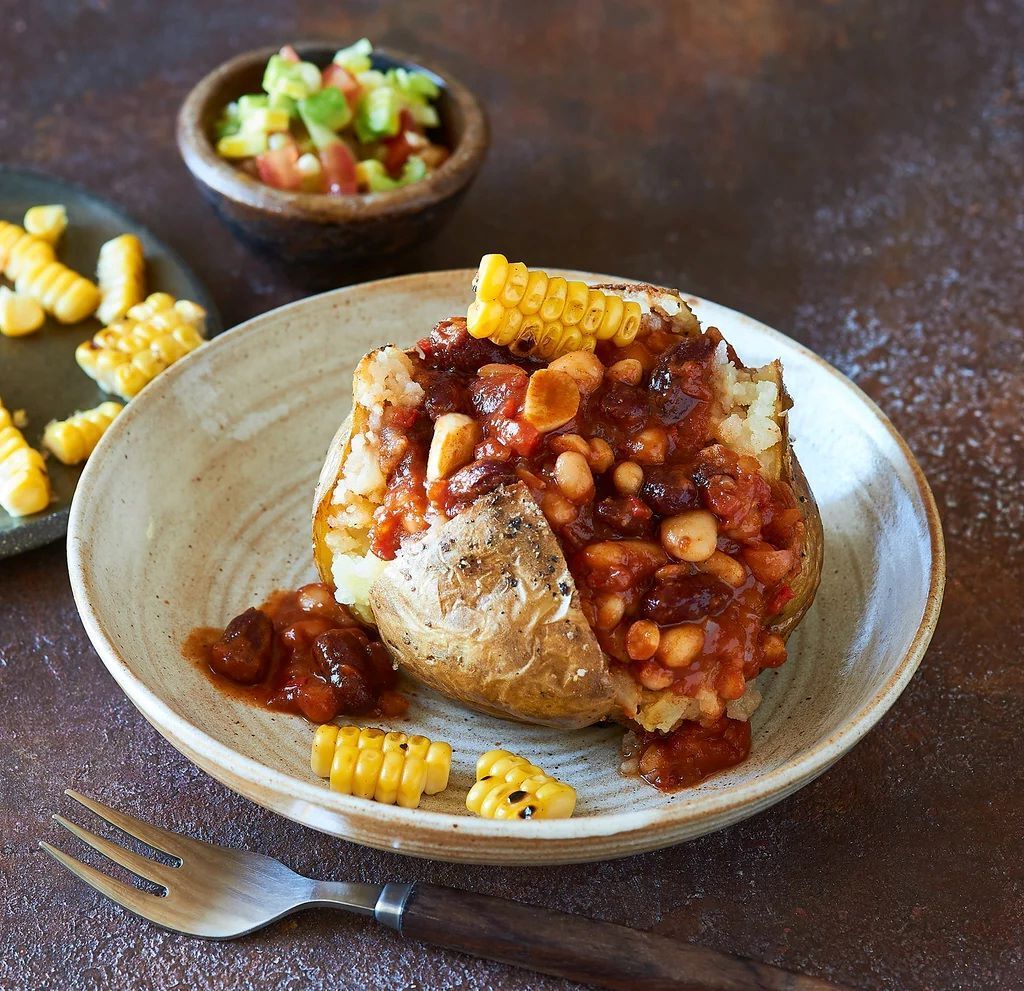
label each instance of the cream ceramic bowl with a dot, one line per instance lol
(196, 505)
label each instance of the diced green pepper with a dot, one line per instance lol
(252, 101)
(377, 116)
(242, 145)
(327, 107)
(355, 58)
(229, 122)
(294, 79)
(372, 175)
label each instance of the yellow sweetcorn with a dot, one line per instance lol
(532, 313)
(30, 263)
(121, 273)
(71, 441)
(510, 787)
(391, 768)
(46, 222)
(19, 315)
(126, 356)
(24, 484)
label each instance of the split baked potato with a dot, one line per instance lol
(502, 592)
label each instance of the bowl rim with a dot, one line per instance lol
(214, 172)
(554, 841)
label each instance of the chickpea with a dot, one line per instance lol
(727, 568)
(602, 457)
(608, 611)
(582, 366)
(569, 442)
(774, 650)
(642, 640)
(628, 370)
(650, 446)
(628, 477)
(654, 677)
(572, 473)
(558, 511)
(680, 645)
(691, 535)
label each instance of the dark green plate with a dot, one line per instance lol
(38, 373)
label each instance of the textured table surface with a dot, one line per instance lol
(849, 172)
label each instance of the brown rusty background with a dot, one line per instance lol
(850, 172)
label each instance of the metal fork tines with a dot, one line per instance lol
(210, 891)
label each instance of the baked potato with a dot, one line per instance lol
(638, 551)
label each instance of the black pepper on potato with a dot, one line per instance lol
(568, 520)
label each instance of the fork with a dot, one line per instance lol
(217, 892)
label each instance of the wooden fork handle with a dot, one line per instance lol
(580, 949)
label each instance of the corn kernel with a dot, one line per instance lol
(610, 320)
(630, 325)
(594, 313)
(491, 277)
(576, 296)
(46, 222)
(483, 317)
(533, 295)
(554, 301)
(19, 315)
(515, 284)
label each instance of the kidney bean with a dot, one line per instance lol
(353, 691)
(450, 346)
(444, 394)
(679, 380)
(668, 489)
(627, 515)
(623, 402)
(244, 651)
(336, 650)
(317, 700)
(685, 599)
(381, 666)
(478, 478)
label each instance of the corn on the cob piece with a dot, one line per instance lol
(30, 263)
(510, 787)
(71, 441)
(121, 273)
(532, 313)
(24, 484)
(19, 315)
(46, 222)
(386, 767)
(128, 355)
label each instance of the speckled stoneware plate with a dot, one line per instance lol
(197, 505)
(38, 373)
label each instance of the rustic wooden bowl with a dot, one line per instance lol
(313, 228)
(196, 505)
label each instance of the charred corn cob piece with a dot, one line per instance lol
(128, 355)
(30, 263)
(386, 767)
(46, 222)
(121, 273)
(532, 313)
(24, 484)
(19, 315)
(71, 441)
(510, 787)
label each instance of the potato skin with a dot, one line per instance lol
(484, 610)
